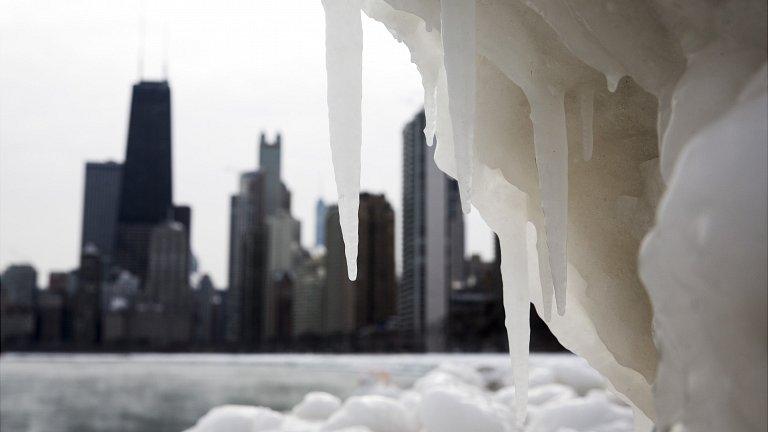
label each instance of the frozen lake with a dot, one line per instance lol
(149, 393)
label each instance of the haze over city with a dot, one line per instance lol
(234, 70)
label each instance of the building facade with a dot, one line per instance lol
(100, 206)
(433, 243)
(259, 215)
(146, 193)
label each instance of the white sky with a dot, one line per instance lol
(236, 68)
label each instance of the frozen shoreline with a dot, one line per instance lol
(455, 392)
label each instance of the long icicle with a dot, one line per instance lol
(344, 65)
(458, 34)
(551, 146)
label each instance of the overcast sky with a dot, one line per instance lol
(235, 68)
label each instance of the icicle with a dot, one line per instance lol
(514, 274)
(458, 32)
(430, 112)
(586, 98)
(503, 207)
(613, 82)
(344, 63)
(549, 138)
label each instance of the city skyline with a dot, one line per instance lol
(225, 93)
(133, 289)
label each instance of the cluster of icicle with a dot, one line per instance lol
(564, 122)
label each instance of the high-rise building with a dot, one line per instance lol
(118, 301)
(320, 210)
(86, 302)
(146, 193)
(18, 295)
(308, 296)
(50, 317)
(338, 296)
(261, 195)
(275, 193)
(433, 242)
(247, 264)
(52, 310)
(283, 251)
(370, 301)
(375, 287)
(19, 284)
(167, 291)
(100, 205)
(204, 293)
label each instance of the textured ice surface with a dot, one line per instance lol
(584, 112)
(457, 21)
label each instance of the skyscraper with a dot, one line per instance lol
(18, 295)
(338, 295)
(86, 302)
(308, 296)
(320, 210)
(283, 251)
(369, 302)
(375, 287)
(261, 196)
(433, 242)
(146, 195)
(19, 284)
(100, 205)
(246, 261)
(168, 283)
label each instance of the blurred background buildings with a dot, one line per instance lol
(137, 288)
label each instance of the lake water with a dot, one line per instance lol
(157, 393)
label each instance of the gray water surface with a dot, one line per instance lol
(158, 393)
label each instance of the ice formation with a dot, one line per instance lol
(344, 63)
(584, 113)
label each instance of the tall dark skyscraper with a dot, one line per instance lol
(375, 287)
(100, 204)
(146, 192)
(433, 241)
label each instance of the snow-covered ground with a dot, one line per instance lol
(460, 394)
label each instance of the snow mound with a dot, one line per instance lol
(594, 413)
(452, 397)
(316, 406)
(449, 409)
(377, 413)
(238, 418)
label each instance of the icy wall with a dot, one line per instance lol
(564, 121)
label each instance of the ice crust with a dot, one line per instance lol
(584, 112)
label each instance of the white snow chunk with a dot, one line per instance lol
(578, 375)
(377, 413)
(452, 410)
(316, 406)
(594, 413)
(238, 418)
(549, 394)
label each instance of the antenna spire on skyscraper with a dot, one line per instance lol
(165, 51)
(141, 45)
